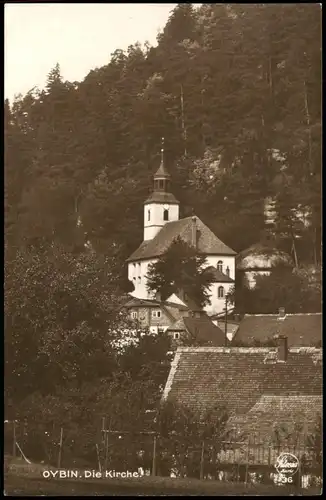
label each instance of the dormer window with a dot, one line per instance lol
(165, 214)
(220, 266)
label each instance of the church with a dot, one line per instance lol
(161, 226)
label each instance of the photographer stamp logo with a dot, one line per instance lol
(287, 465)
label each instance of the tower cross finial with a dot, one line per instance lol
(162, 150)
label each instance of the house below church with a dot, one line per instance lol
(183, 320)
(161, 227)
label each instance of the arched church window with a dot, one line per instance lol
(148, 215)
(220, 265)
(165, 214)
(161, 184)
(220, 292)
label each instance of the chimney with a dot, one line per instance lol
(282, 348)
(181, 294)
(281, 312)
(194, 232)
(158, 296)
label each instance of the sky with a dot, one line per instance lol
(80, 37)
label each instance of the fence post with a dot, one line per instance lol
(247, 463)
(103, 429)
(106, 441)
(201, 476)
(98, 458)
(14, 439)
(60, 448)
(154, 457)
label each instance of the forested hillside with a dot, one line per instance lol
(226, 86)
(235, 90)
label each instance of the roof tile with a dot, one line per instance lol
(207, 243)
(238, 377)
(300, 329)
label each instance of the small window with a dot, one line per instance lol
(166, 215)
(148, 215)
(161, 184)
(156, 314)
(220, 292)
(220, 265)
(139, 279)
(176, 335)
(133, 314)
(228, 271)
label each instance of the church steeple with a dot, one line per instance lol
(162, 206)
(162, 179)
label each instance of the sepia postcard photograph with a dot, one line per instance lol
(162, 249)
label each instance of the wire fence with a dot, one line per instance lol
(240, 460)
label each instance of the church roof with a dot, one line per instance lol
(161, 197)
(207, 242)
(162, 172)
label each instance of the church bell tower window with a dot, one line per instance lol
(165, 214)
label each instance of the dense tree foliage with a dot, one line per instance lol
(180, 268)
(298, 292)
(236, 92)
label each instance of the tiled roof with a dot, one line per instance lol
(200, 329)
(207, 242)
(300, 329)
(219, 277)
(206, 377)
(272, 413)
(136, 302)
(282, 422)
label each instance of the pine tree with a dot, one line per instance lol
(180, 268)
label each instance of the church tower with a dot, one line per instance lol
(161, 207)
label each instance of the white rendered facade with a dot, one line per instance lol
(156, 215)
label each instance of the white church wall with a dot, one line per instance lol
(228, 261)
(137, 272)
(155, 222)
(217, 304)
